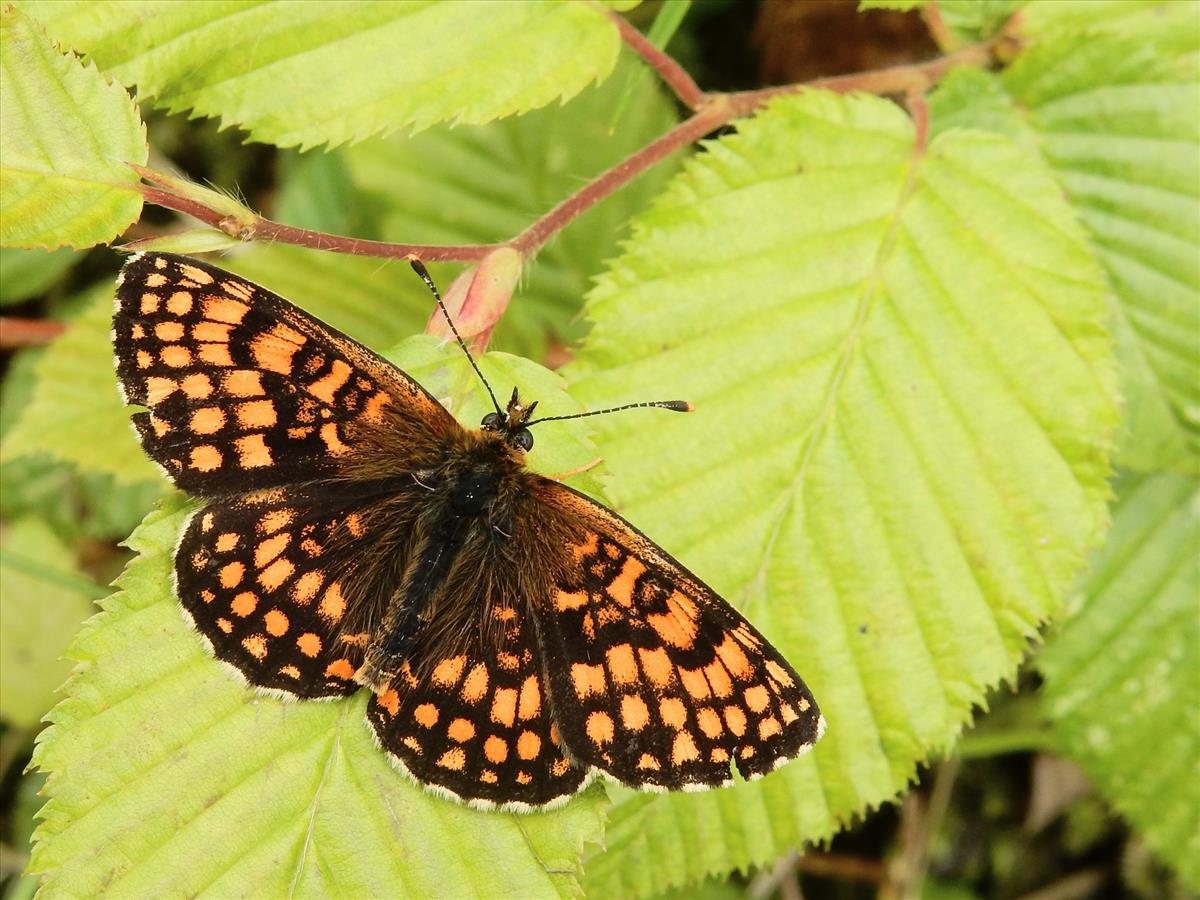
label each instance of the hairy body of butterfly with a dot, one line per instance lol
(516, 636)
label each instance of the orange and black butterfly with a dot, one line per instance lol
(518, 638)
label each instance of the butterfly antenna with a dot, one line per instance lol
(420, 269)
(673, 405)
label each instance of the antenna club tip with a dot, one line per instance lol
(680, 406)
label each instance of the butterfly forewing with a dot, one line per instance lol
(655, 679)
(245, 391)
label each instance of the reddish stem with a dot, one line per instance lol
(28, 332)
(673, 74)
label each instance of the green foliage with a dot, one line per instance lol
(1123, 673)
(294, 798)
(65, 136)
(28, 273)
(910, 343)
(380, 65)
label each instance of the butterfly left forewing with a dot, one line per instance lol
(654, 678)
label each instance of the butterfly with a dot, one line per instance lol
(517, 637)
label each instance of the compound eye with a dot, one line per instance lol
(491, 421)
(523, 439)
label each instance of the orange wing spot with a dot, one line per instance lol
(169, 331)
(529, 745)
(149, 304)
(159, 389)
(646, 761)
(734, 657)
(507, 661)
(207, 420)
(274, 349)
(779, 674)
(621, 587)
(449, 670)
(333, 440)
(504, 706)
(277, 623)
(524, 778)
(257, 414)
(354, 524)
(311, 547)
(677, 627)
(256, 646)
(684, 749)
(461, 730)
(426, 715)
(156, 279)
(565, 600)
(599, 728)
(270, 548)
(695, 682)
(197, 275)
(222, 309)
(358, 639)
(503, 613)
(475, 684)
(412, 744)
(227, 542)
(746, 752)
(487, 776)
(231, 574)
(453, 759)
(244, 603)
(211, 332)
(309, 644)
(709, 721)
(587, 548)
(373, 408)
(495, 749)
(559, 767)
(274, 575)
(306, 587)
(326, 387)
(736, 720)
(621, 664)
(137, 332)
(144, 359)
(197, 386)
(788, 713)
(530, 704)
(588, 679)
(390, 701)
(333, 604)
(252, 452)
(207, 596)
(634, 714)
(757, 698)
(769, 727)
(225, 625)
(673, 712)
(275, 520)
(718, 678)
(176, 356)
(243, 383)
(237, 289)
(657, 666)
(180, 303)
(216, 354)
(291, 672)
(199, 560)
(340, 668)
(804, 704)
(160, 263)
(554, 734)
(719, 755)
(160, 427)
(206, 522)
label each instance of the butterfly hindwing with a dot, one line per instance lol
(246, 391)
(654, 678)
(468, 713)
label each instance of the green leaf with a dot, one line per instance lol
(1118, 127)
(167, 776)
(65, 136)
(1171, 26)
(1123, 674)
(45, 599)
(478, 185)
(303, 74)
(904, 396)
(977, 20)
(28, 273)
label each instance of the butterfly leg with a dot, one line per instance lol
(562, 476)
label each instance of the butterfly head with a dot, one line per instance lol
(512, 423)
